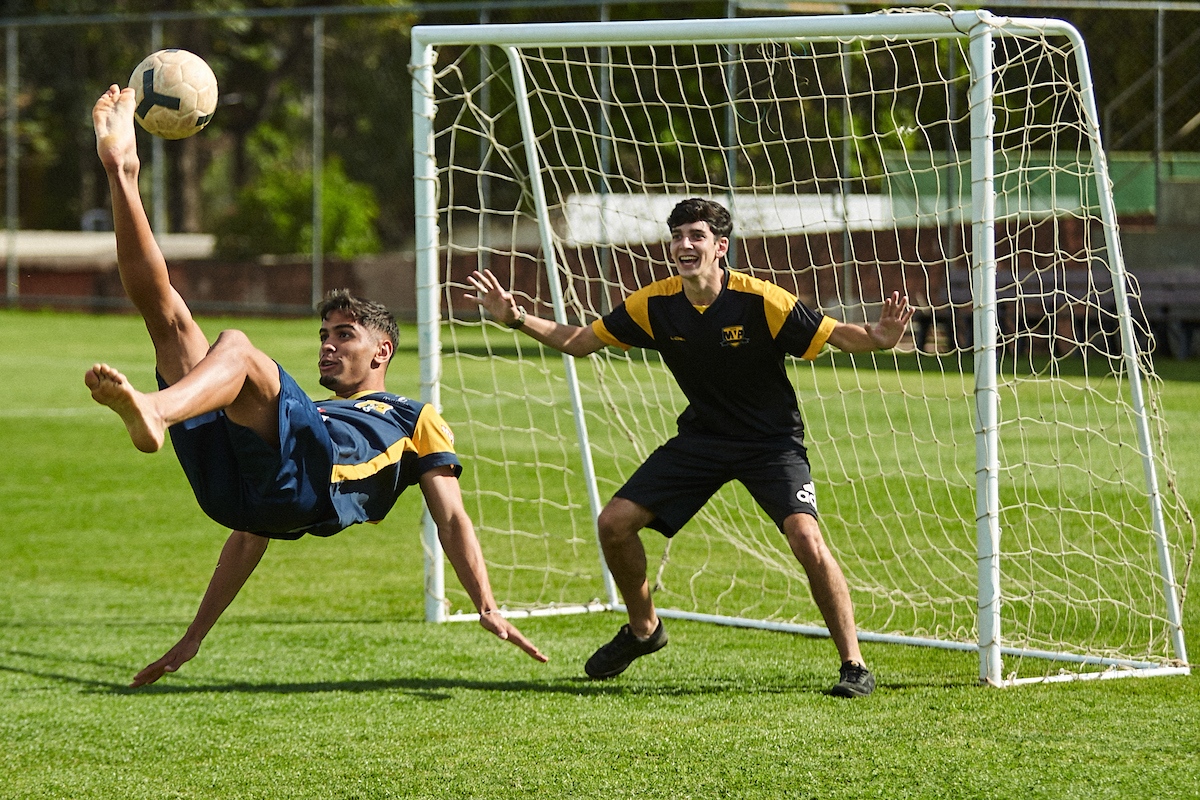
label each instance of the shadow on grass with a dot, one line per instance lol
(427, 688)
(423, 688)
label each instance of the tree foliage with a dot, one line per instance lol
(265, 63)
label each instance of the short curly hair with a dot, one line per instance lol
(697, 209)
(371, 315)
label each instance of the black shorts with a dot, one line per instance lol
(680, 477)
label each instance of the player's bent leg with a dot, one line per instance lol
(234, 376)
(179, 343)
(257, 404)
(832, 596)
(618, 525)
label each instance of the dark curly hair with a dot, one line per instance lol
(371, 315)
(697, 209)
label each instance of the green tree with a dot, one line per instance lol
(273, 214)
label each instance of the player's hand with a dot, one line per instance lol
(893, 319)
(183, 651)
(503, 629)
(498, 301)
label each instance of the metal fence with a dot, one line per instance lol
(321, 96)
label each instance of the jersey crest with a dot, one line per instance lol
(733, 336)
(373, 405)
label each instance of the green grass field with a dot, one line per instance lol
(322, 680)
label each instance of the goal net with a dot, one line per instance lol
(1000, 482)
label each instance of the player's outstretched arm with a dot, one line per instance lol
(239, 557)
(883, 335)
(457, 535)
(573, 340)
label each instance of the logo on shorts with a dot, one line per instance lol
(733, 336)
(808, 494)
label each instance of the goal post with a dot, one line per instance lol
(999, 483)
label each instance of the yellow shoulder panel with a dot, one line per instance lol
(638, 303)
(777, 301)
(432, 434)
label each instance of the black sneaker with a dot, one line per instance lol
(612, 659)
(855, 681)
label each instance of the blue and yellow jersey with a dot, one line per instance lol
(382, 443)
(727, 357)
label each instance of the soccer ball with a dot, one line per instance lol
(176, 93)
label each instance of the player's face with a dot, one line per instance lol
(695, 250)
(351, 355)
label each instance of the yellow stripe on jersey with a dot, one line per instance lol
(603, 335)
(638, 303)
(356, 472)
(431, 435)
(820, 338)
(777, 301)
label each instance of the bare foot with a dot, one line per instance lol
(110, 388)
(112, 117)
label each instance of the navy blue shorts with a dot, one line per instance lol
(246, 484)
(682, 475)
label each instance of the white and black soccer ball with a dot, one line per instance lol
(176, 93)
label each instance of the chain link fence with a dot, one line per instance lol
(303, 180)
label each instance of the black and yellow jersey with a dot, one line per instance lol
(728, 358)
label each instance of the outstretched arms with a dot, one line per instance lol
(883, 335)
(571, 339)
(239, 557)
(457, 534)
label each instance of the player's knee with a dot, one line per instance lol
(235, 344)
(804, 536)
(614, 527)
(233, 340)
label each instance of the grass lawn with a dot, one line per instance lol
(322, 680)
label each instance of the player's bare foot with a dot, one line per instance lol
(112, 117)
(111, 388)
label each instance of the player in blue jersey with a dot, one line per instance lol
(724, 336)
(262, 457)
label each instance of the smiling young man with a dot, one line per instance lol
(263, 458)
(724, 336)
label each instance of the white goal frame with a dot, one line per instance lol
(980, 28)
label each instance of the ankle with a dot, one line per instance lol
(642, 634)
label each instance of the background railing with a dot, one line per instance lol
(311, 142)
